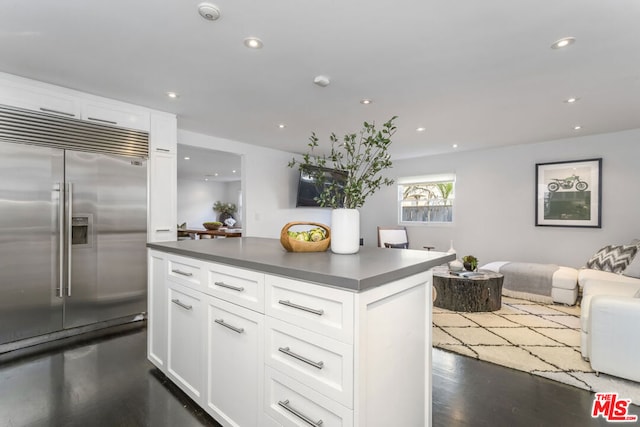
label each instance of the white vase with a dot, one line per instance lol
(345, 231)
(451, 250)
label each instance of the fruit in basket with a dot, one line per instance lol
(313, 235)
(317, 234)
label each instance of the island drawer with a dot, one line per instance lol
(236, 285)
(320, 309)
(186, 271)
(322, 363)
(293, 404)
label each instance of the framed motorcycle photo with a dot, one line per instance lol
(569, 194)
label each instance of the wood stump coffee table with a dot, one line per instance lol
(471, 294)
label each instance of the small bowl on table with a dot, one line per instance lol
(214, 225)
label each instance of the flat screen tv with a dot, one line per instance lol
(312, 182)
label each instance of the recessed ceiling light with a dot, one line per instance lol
(233, 171)
(571, 100)
(206, 179)
(253, 43)
(172, 95)
(420, 129)
(577, 127)
(366, 101)
(455, 145)
(215, 174)
(187, 158)
(282, 126)
(559, 44)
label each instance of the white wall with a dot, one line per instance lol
(269, 186)
(196, 199)
(495, 201)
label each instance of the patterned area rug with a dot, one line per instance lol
(542, 339)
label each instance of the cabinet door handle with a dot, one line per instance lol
(49, 110)
(301, 307)
(298, 414)
(95, 119)
(288, 352)
(224, 285)
(182, 273)
(226, 325)
(163, 229)
(181, 304)
(164, 150)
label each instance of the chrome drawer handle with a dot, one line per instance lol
(226, 325)
(303, 417)
(181, 304)
(288, 352)
(95, 119)
(301, 307)
(224, 285)
(183, 273)
(50, 110)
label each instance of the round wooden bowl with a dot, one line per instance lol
(212, 225)
(293, 245)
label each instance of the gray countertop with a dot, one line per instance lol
(369, 268)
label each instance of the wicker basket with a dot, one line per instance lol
(293, 245)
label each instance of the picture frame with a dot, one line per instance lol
(569, 193)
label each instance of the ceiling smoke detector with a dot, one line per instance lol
(209, 11)
(322, 81)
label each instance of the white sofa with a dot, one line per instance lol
(609, 321)
(563, 287)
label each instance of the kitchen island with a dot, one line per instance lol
(260, 336)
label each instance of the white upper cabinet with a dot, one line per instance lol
(116, 114)
(19, 94)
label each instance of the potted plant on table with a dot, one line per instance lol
(362, 157)
(470, 262)
(225, 210)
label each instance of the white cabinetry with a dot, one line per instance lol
(163, 199)
(234, 363)
(277, 351)
(23, 93)
(157, 309)
(185, 327)
(116, 114)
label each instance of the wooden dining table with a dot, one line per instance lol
(221, 232)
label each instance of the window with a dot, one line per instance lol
(426, 199)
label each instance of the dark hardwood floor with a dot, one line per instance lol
(108, 382)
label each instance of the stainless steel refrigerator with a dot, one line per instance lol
(72, 227)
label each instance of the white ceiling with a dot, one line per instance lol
(474, 73)
(199, 164)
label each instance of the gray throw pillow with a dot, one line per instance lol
(613, 258)
(633, 269)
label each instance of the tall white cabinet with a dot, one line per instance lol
(162, 128)
(163, 176)
(259, 349)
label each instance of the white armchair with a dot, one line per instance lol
(613, 335)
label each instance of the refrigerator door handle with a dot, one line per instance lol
(59, 187)
(69, 230)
